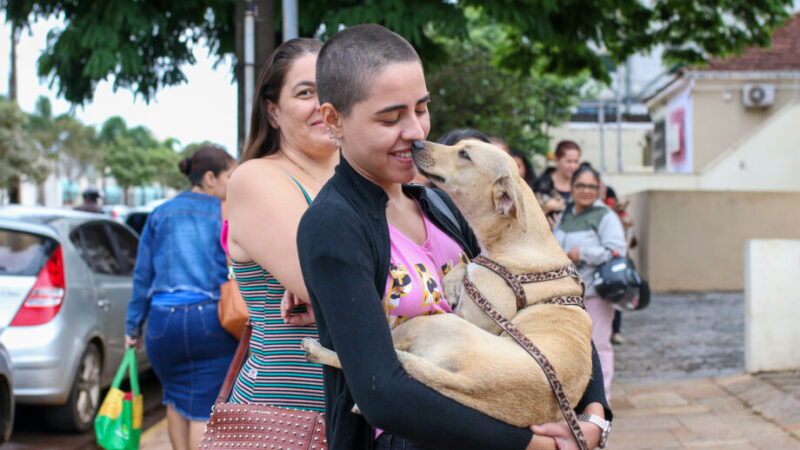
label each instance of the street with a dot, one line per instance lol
(30, 434)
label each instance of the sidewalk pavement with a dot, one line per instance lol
(733, 412)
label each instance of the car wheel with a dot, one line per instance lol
(6, 412)
(77, 415)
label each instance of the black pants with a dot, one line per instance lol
(388, 442)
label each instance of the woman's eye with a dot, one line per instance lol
(464, 155)
(305, 93)
(391, 121)
(421, 111)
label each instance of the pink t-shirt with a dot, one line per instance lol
(414, 284)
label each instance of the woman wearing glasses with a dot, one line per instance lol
(590, 232)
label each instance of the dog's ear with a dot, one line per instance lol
(507, 197)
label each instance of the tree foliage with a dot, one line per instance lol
(142, 44)
(473, 92)
(19, 157)
(135, 158)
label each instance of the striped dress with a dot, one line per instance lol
(276, 373)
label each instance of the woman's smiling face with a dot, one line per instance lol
(297, 114)
(377, 133)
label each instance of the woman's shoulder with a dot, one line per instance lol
(254, 170)
(257, 180)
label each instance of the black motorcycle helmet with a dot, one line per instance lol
(618, 282)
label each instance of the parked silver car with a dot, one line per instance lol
(65, 282)
(6, 396)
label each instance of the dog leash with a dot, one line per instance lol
(530, 347)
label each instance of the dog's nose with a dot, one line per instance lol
(417, 145)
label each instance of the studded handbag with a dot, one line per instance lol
(234, 425)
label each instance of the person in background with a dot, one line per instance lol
(500, 143)
(553, 187)
(176, 285)
(590, 232)
(287, 159)
(90, 201)
(525, 167)
(367, 231)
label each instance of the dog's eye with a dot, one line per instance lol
(464, 155)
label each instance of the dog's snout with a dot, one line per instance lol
(417, 146)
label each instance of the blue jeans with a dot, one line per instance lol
(190, 353)
(388, 442)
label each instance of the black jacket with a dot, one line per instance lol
(344, 248)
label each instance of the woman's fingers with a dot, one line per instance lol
(290, 302)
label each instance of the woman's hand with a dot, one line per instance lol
(132, 342)
(290, 301)
(562, 435)
(574, 254)
(542, 443)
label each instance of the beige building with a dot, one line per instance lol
(722, 166)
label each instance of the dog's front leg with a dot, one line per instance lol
(317, 354)
(453, 284)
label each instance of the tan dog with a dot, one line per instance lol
(463, 355)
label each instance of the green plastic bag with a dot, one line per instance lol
(118, 425)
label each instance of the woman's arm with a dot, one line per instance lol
(338, 263)
(612, 237)
(143, 274)
(264, 207)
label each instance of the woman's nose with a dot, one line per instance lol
(414, 130)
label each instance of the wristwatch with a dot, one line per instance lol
(605, 426)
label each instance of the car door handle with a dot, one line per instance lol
(104, 304)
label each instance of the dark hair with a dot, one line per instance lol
(352, 57)
(204, 159)
(263, 139)
(583, 169)
(530, 175)
(455, 136)
(563, 146)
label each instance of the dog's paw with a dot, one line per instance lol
(453, 283)
(312, 348)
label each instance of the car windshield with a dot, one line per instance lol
(23, 253)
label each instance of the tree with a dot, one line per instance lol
(134, 157)
(142, 45)
(19, 158)
(520, 107)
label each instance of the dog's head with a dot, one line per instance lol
(481, 179)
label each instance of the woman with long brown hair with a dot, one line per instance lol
(288, 157)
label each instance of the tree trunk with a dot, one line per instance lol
(264, 14)
(12, 76)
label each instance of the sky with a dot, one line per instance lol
(202, 109)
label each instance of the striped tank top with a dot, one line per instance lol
(276, 372)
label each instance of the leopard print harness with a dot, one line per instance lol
(515, 281)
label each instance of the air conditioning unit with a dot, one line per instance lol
(758, 95)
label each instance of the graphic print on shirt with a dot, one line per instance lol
(431, 295)
(401, 286)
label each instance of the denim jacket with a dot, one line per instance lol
(179, 250)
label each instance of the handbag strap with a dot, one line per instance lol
(236, 364)
(538, 356)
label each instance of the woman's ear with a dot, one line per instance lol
(331, 118)
(272, 113)
(209, 180)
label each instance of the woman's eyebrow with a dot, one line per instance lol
(424, 99)
(303, 83)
